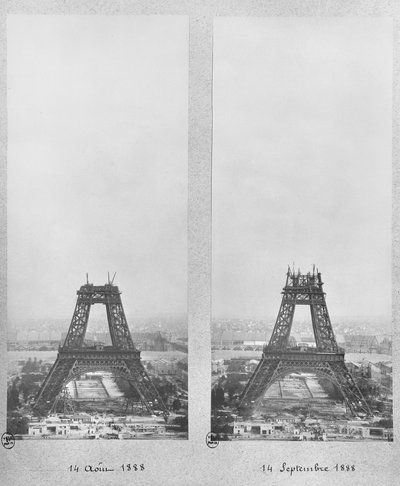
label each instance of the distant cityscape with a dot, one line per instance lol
(351, 325)
(147, 332)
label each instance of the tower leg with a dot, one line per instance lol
(53, 385)
(258, 384)
(145, 388)
(353, 397)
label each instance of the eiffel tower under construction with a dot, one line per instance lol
(75, 357)
(325, 360)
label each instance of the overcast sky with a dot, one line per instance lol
(97, 161)
(302, 161)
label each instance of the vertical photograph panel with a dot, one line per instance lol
(97, 227)
(302, 191)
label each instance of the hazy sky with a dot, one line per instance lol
(302, 161)
(97, 161)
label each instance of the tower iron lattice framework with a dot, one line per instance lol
(76, 357)
(325, 360)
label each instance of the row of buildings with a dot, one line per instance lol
(254, 341)
(309, 429)
(169, 367)
(87, 426)
(38, 340)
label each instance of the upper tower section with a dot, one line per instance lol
(303, 289)
(110, 296)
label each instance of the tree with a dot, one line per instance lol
(28, 386)
(182, 365)
(182, 421)
(12, 397)
(387, 423)
(27, 367)
(18, 425)
(234, 389)
(236, 365)
(217, 397)
(176, 404)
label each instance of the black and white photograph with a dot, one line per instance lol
(301, 329)
(97, 217)
(199, 242)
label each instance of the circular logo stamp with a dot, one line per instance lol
(7, 440)
(212, 440)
